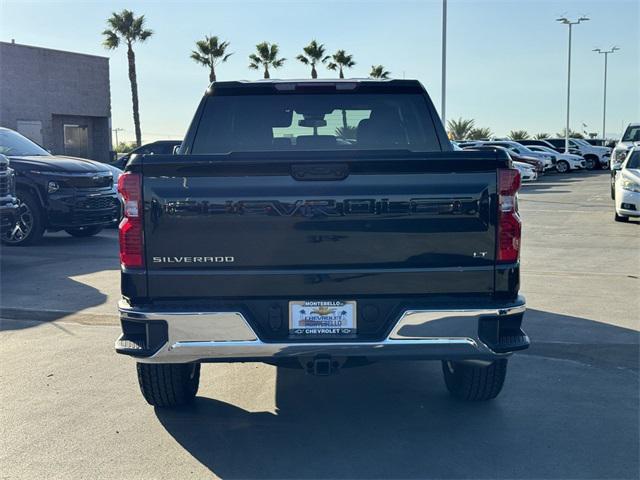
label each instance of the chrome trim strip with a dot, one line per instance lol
(420, 324)
(435, 347)
(216, 327)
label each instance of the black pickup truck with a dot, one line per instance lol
(320, 224)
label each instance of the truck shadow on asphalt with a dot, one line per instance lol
(37, 282)
(565, 412)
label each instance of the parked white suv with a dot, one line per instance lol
(627, 187)
(631, 135)
(564, 161)
(603, 153)
(595, 157)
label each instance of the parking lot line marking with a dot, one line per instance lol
(526, 210)
(579, 274)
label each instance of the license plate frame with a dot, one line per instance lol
(325, 318)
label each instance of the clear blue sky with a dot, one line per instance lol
(506, 59)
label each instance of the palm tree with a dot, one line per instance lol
(459, 129)
(572, 134)
(340, 61)
(516, 135)
(126, 27)
(479, 133)
(267, 57)
(210, 52)
(378, 71)
(541, 136)
(313, 55)
(347, 132)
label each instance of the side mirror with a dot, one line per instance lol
(176, 149)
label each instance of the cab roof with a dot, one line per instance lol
(327, 85)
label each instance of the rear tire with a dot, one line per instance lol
(168, 384)
(590, 162)
(473, 382)
(82, 232)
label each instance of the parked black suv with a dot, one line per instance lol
(161, 147)
(8, 201)
(57, 193)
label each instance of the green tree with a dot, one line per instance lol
(124, 147)
(341, 61)
(267, 56)
(516, 135)
(378, 71)
(126, 27)
(347, 133)
(460, 129)
(479, 133)
(313, 55)
(572, 134)
(541, 136)
(210, 52)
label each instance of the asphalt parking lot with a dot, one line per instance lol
(570, 408)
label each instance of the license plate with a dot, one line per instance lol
(322, 318)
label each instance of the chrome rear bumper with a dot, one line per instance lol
(227, 336)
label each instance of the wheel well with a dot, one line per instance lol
(32, 190)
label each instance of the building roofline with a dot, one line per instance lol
(13, 44)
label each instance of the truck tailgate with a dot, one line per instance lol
(413, 225)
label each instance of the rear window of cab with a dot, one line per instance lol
(305, 122)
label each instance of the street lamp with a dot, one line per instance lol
(566, 21)
(604, 107)
(444, 62)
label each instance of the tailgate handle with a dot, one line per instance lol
(320, 171)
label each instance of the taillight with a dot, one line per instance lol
(509, 226)
(131, 238)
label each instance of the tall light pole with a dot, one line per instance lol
(604, 106)
(566, 21)
(443, 110)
